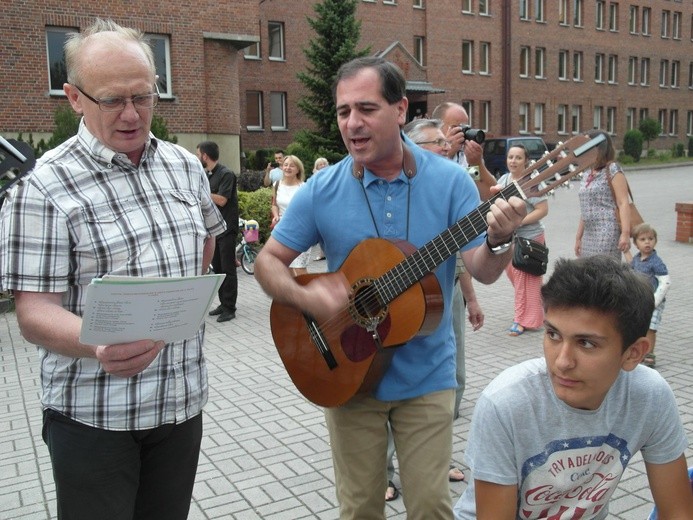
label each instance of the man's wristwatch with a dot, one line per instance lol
(499, 249)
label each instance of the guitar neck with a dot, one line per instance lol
(425, 259)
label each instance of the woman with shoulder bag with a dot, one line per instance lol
(529, 313)
(599, 231)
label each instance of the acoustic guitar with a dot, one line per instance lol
(395, 295)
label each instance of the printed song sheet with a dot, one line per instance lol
(120, 309)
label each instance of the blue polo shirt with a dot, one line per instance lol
(340, 211)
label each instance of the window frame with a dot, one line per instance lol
(613, 17)
(270, 43)
(467, 57)
(563, 57)
(599, 67)
(258, 103)
(164, 81)
(539, 118)
(485, 58)
(523, 118)
(53, 59)
(577, 65)
(525, 63)
(540, 63)
(284, 125)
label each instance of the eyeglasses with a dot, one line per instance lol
(440, 142)
(116, 104)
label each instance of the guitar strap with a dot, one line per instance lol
(408, 164)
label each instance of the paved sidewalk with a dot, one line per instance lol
(265, 452)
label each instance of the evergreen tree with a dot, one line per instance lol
(337, 34)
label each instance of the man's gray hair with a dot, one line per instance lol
(75, 42)
(415, 129)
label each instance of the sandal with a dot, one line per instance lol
(455, 474)
(516, 329)
(395, 492)
(649, 360)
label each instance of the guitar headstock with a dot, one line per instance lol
(560, 165)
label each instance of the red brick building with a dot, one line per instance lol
(543, 67)
(228, 69)
(196, 50)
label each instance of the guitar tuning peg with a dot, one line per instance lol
(571, 168)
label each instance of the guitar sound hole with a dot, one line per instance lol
(366, 308)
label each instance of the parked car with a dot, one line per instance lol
(496, 148)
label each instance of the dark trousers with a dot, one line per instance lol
(122, 475)
(224, 262)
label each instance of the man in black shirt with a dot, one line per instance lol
(222, 183)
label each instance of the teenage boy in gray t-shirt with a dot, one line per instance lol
(551, 437)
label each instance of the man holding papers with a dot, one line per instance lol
(123, 421)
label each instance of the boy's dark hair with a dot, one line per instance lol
(603, 283)
(210, 148)
(393, 86)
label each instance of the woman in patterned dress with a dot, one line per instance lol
(599, 232)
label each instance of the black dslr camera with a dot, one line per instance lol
(473, 134)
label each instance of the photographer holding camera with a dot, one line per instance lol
(465, 145)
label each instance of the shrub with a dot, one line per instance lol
(651, 153)
(255, 205)
(250, 180)
(678, 150)
(632, 143)
(626, 159)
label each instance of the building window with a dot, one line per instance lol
(665, 24)
(390, 2)
(524, 9)
(252, 52)
(57, 70)
(632, 70)
(630, 119)
(577, 66)
(613, 69)
(419, 4)
(689, 123)
(644, 114)
(563, 12)
(663, 72)
(485, 122)
(645, 72)
(467, 56)
(575, 118)
(540, 10)
(597, 117)
(562, 114)
(690, 75)
(161, 47)
(539, 62)
(599, 15)
(563, 65)
(674, 122)
(524, 62)
(278, 110)
(469, 108)
(539, 118)
(633, 19)
(253, 110)
(467, 6)
(675, 67)
(484, 8)
(676, 26)
(524, 115)
(646, 13)
(611, 120)
(276, 40)
(420, 50)
(577, 13)
(485, 58)
(663, 120)
(613, 17)
(599, 68)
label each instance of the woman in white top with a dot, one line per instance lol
(283, 191)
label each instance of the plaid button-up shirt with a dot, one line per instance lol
(84, 212)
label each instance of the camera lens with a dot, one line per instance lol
(473, 134)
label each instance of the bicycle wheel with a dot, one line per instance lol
(248, 259)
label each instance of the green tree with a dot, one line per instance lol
(650, 129)
(337, 34)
